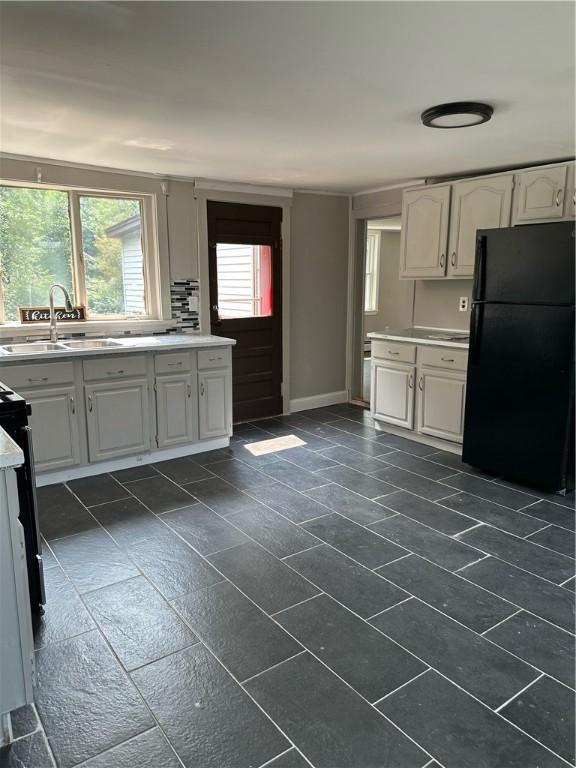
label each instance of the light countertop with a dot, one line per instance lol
(432, 336)
(123, 345)
(10, 454)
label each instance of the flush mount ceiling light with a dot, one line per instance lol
(457, 114)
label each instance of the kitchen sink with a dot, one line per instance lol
(90, 343)
(32, 347)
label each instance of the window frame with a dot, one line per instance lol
(373, 274)
(155, 311)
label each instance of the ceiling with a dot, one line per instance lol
(315, 95)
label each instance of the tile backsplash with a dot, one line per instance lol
(185, 303)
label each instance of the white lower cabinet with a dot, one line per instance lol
(118, 418)
(176, 413)
(393, 393)
(441, 398)
(54, 423)
(214, 398)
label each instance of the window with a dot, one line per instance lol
(371, 275)
(92, 243)
(244, 280)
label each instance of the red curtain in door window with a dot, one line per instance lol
(266, 279)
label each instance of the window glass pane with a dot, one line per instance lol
(35, 249)
(113, 258)
(244, 280)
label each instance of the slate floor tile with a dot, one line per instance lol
(350, 504)
(408, 481)
(149, 750)
(272, 531)
(290, 759)
(266, 580)
(328, 721)
(30, 752)
(539, 643)
(127, 520)
(24, 721)
(546, 600)
(418, 465)
(369, 662)
(354, 459)
(138, 472)
(160, 494)
(521, 553)
(448, 592)
(293, 476)
(296, 506)
(240, 475)
(372, 448)
(137, 622)
(48, 559)
(64, 613)
(207, 717)
(403, 444)
(307, 459)
(365, 485)
(454, 461)
(546, 712)
(172, 566)
(211, 457)
(92, 560)
(354, 540)
(239, 634)
(423, 541)
(493, 514)
(484, 670)
(558, 539)
(60, 513)
(84, 699)
(97, 489)
(551, 512)
(241, 451)
(424, 511)
(452, 725)
(356, 587)
(220, 496)
(203, 529)
(183, 470)
(499, 494)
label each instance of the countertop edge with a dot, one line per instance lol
(11, 454)
(419, 340)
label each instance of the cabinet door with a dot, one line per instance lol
(54, 422)
(214, 403)
(540, 194)
(393, 393)
(176, 410)
(424, 236)
(476, 204)
(118, 417)
(441, 397)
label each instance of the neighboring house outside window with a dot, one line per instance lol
(371, 271)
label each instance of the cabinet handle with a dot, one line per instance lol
(453, 259)
(202, 389)
(421, 383)
(559, 197)
(36, 381)
(90, 405)
(173, 365)
(189, 388)
(391, 352)
(72, 404)
(410, 382)
(442, 259)
(113, 373)
(213, 359)
(447, 359)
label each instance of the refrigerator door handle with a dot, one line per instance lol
(480, 271)
(476, 330)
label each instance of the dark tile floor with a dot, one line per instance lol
(361, 601)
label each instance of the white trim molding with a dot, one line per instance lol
(318, 401)
(211, 185)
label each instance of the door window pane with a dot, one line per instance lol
(244, 280)
(35, 246)
(113, 256)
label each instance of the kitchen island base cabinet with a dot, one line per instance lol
(214, 398)
(441, 398)
(118, 418)
(54, 424)
(393, 393)
(177, 422)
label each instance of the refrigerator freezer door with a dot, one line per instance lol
(531, 264)
(520, 393)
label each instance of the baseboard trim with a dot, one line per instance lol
(318, 401)
(433, 442)
(127, 462)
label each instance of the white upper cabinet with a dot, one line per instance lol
(540, 194)
(424, 238)
(484, 203)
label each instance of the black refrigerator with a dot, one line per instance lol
(519, 417)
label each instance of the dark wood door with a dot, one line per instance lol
(245, 258)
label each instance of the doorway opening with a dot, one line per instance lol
(245, 274)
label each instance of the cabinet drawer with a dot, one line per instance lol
(213, 358)
(390, 350)
(172, 362)
(36, 375)
(443, 357)
(115, 367)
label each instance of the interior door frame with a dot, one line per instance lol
(282, 199)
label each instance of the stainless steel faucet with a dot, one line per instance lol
(53, 327)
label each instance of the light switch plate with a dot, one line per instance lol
(463, 304)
